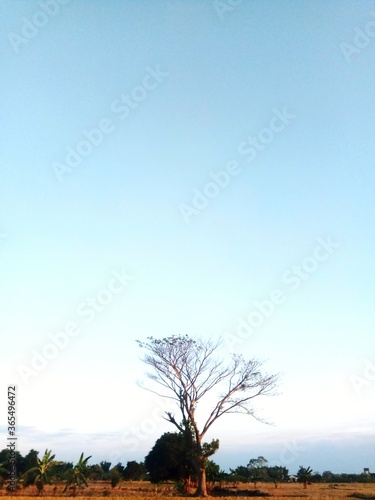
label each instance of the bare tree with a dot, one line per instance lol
(187, 369)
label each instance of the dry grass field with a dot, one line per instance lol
(146, 491)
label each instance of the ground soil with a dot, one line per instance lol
(134, 490)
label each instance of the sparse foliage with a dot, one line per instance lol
(187, 370)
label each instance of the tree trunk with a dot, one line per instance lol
(188, 485)
(202, 483)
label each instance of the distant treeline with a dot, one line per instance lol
(267, 474)
(28, 469)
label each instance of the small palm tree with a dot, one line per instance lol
(43, 470)
(77, 476)
(304, 475)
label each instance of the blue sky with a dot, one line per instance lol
(188, 167)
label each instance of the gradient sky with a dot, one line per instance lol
(179, 90)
